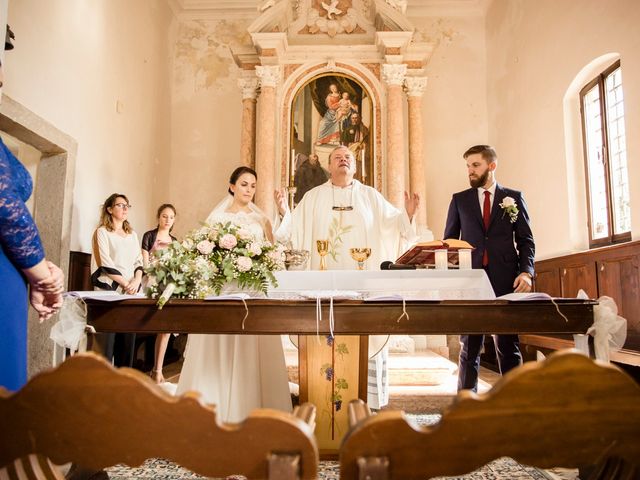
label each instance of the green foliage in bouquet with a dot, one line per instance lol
(211, 257)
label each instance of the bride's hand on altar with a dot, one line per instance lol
(280, 197)
(411, 203)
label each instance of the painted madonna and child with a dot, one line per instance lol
(329, 111)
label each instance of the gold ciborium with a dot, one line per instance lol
(360, 255)
(323, 250)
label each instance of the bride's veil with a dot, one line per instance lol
(222, 207)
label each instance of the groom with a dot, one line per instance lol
(494, 219)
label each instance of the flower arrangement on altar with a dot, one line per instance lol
(210, 258)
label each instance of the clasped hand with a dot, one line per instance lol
(46, 295)
(131, 288)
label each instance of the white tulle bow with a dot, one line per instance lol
(70, 330)
(609, 330)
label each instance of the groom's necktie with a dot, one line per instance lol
(486, 215)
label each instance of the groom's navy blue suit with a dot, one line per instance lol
(511, 251)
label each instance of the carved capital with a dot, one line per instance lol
(415, 86)
(249, 87)
(269, 75)
(394, 73)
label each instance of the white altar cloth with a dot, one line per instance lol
(419, 284)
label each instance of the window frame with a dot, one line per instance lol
(612, 238)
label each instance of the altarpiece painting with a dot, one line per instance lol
(328, 111)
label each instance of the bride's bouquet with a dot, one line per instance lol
(210, 258)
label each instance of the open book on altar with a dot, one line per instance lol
(424, 253)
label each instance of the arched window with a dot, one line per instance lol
(605, 153)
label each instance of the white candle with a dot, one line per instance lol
(292, 169)
(364, 173)
(464, 259)
(441, 259)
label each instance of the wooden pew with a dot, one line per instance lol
(91, 414)
(567, 411)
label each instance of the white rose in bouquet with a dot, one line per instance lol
(254, 248)
(244, 264)
(228, 241)
(205, 247)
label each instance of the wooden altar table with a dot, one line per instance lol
(352, 317)
(353, 320)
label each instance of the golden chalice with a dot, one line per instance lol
(323, 250)
(360, 255)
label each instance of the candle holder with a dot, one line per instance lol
(441, 259)
(464, 259)
(291, 193)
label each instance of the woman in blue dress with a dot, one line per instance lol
(21, 261)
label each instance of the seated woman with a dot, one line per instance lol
(153, 240)
(116, 264)
(238, 373)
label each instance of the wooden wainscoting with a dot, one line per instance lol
(612, 271)
(79, 271)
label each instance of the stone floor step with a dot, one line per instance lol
(421, 368)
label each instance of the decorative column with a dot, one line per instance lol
(249, 87)
(417, 181)
(266, 137)
(393, 75)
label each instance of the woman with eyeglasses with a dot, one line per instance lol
(152, 241)
(116, 264)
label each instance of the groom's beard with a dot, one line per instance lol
(479, 181)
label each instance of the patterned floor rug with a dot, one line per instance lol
(158, 469)
(501, 469)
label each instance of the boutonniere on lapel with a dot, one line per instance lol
(509, 207)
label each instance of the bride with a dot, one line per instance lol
(238, 373)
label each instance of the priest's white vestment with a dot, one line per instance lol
(352, 216)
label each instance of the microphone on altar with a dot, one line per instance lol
(387, 265)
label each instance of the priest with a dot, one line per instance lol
(349, 214)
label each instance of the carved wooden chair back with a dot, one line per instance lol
(91, 414)
(567, 411)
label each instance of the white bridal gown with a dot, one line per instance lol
(237, 373)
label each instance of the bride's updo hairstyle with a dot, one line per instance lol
(237, 173)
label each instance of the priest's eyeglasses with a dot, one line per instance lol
(342, 209)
